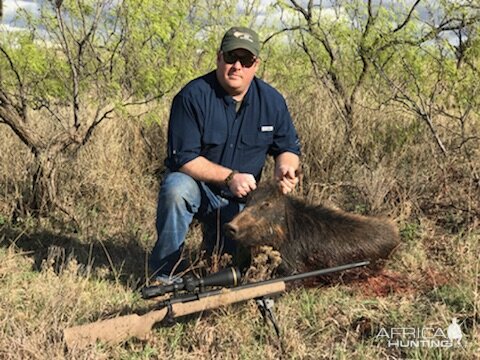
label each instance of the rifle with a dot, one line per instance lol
(190, 296)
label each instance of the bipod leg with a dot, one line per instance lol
(265, 305)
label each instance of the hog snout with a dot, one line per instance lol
(231, 230)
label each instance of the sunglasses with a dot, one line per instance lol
(231, 57)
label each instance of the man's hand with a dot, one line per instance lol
(286, 165)
(241, 184)
(286, 178)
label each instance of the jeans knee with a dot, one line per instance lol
(179, 188)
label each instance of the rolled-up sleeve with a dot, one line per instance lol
(184, 133)
(285, 138)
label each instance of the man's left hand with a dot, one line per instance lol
(286, 178)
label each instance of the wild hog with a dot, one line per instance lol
(310, 237)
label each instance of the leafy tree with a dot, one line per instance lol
(436, 78)
(348, 42)
(80, 63)
(83, 62)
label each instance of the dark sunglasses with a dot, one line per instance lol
(231, 57)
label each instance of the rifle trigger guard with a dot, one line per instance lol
(168, 320)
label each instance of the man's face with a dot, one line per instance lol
(235, 70)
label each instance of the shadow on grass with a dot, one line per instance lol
(121, 258)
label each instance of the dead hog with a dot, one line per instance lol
(310, 237)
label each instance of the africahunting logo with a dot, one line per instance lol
(431, 337)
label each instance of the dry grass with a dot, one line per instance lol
(53, 275)
(334, 322)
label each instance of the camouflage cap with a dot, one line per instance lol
(239, 37)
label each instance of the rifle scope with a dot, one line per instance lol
(227, 277)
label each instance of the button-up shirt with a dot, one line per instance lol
(204, 122)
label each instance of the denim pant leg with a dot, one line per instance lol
(179, 200)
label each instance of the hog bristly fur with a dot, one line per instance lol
(309, 236)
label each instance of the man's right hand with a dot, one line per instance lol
(241, 184)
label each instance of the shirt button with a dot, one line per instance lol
(231, 145)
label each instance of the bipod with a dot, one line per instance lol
(265, 305)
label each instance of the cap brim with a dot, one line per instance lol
(246, 46)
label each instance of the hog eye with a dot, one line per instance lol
(265, 205)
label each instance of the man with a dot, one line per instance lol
(222, 125)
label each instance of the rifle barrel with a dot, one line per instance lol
(309, 274)
(196, 296)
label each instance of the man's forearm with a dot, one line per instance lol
(202, 169)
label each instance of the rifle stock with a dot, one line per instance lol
(122, 328)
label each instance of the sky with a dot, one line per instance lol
(10, 8)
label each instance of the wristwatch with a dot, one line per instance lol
(229, 178)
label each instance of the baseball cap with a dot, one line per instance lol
(239, 37)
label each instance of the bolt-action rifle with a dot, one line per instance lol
(191, 295)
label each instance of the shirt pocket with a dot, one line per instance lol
(213, 143)
(260, 137)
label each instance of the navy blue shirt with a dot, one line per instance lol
(203, 122)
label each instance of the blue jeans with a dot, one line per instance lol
(181, 199)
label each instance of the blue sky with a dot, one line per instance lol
(10, 8)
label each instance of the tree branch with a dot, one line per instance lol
(407, 18)
(306, 14)
(270, 37)
(21, 87)
(73, 69)
(99, 118)
(10, 116)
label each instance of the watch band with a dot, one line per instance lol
(229, 178)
